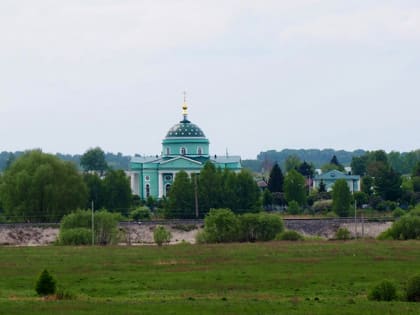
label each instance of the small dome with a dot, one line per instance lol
(185, 129)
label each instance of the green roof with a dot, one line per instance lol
(185, 129)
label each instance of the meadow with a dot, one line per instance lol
(311, 277)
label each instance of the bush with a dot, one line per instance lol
(398, 213)
(161, 235)
(221, 225)
(141, 213)
(413, 289)
(407, 227)
(77, 236)
(105, 224)
(45, 284)
(259, 227)
(289, 235)
(383, 291)
(293, 207)
(322, 206)
(201, 237)
(342, 234)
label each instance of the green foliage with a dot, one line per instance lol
(39, 187)
(46, 284)
(341, 198)
(294, 188)
(294, 208)
(367, 185)
(306, 169)
(221, 225)
(209, 188)
(76, 236)
(181, 198)
(290, 235)
(105, 224)
(117, 191)
(322, 206)
(267, 198)
(406, 228)
(398, 213)
(291, 162)
(276, 179)
(361, 198)
(161, 235)
(388, 184)
(342, 234)
(413, 289)
(259, 227)
(383, 291)
(94, 160)
(140, 214)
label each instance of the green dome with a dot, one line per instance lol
(185, 129)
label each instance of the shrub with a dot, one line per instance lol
(141, 213)
(77, 236)
(383, 291)
(161, 235)
(259, 227)
(289, 235)
(221, 225)
(105, 224)
(342, 234)
(413, 289)
(293, 207)
(201, 237)
(45, 284)
(407, 227)
(398, 213)
(322, 206)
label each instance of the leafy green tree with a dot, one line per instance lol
(248, 193)
(359, 164)
(39, 187)
(367, 185)
(96, 190)
(117, 191)
(294, 188)
(341, 198)
(267, 199)
(306, 169)
(292, 162)
(209, 188)
(181, 202)
(276, 179)
(45, 284)
(388, 184)
(416, 170)
(229, 192)
(94, 160)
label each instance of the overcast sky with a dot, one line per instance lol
(259, 74)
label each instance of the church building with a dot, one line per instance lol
(185, 147)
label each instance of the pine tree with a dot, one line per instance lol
(46, 284)
(341, 198)
(276, 179)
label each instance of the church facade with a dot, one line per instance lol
(186, 148)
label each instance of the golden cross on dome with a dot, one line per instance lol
(184, 106)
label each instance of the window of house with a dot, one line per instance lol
(147, 190)
(167, 187)
(183, 151)
(168, 151)
(199, 151)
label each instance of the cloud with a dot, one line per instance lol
(376, 24)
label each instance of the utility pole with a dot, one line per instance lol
(93, 225)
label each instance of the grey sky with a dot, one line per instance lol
(259, 74)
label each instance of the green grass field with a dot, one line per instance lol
(321, 277)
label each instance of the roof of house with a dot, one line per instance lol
(334, 175)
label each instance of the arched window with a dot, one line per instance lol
(147, 190)
(183, 151)
(167, 187)
(168, 151)
(199, 151)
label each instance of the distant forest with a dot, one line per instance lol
(115, 161)
(403, 162)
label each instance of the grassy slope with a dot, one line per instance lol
(264, 278)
